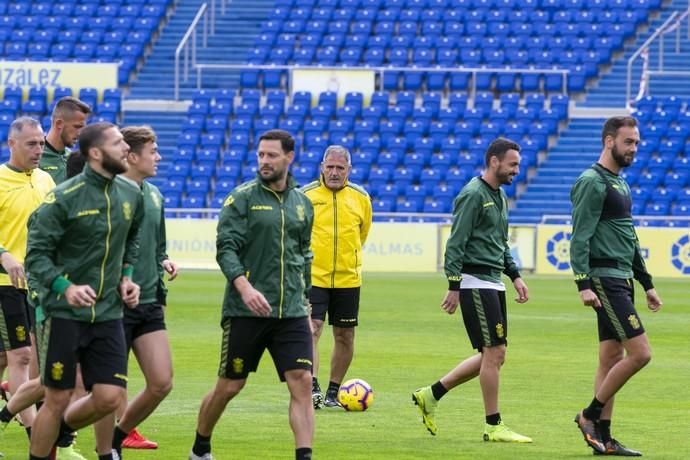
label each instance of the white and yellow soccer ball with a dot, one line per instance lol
(355, 395)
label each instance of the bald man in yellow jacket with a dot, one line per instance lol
(342, 219)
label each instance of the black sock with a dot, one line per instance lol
(202, 445)
(438, 390)
(493, 419)
(66, 435)
(605, 430)
(118, 437)
(315, 383)
(333, 388)
(5, 415)
(36, 457)
(593, 411)
(303, 453)
(105, 456)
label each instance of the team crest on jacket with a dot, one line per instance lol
(50, 198)
(300, 212)
(127, 210)
(156, 200)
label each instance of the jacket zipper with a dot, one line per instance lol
(105, 256)
(335, 238)
(282, 250)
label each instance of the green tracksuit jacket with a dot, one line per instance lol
(478, 242)
(54, 163)
(603, 240)
(266, 236)
(83, 233)
(148, 272)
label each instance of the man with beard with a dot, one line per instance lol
(264, 234)
(476, 253)
(67, 120)
(82, 247)
(342, 219)
(605, 256)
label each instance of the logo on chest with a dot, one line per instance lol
(127, 210)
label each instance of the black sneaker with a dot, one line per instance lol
(590, 432)
(614, 447)
(332, 400)
(316, 396)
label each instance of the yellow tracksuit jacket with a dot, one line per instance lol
(342, 220)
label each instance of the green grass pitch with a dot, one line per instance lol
(405, 341)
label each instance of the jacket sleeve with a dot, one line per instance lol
(366, 219)
(587, 196)
(161, 255)
(306, 246)
(132, 243)
(640, 268)
(46, 228)
(510, 267)
(465, 215)
(231, 235)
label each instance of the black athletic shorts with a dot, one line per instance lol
(144, 318)
(16, 319)
(245, 339)
(98, 347)
(342, 305)
(617, 318)
(485, 317)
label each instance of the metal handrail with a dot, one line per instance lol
(636, 54)
(382, 69)
(183, 45)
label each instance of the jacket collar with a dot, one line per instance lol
(94, 178)
(52, 149)
(291, 183)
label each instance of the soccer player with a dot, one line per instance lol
(342, 219)
(605, 256)
(67, 120)
(145, 325)
(476, 253)
(22, 189)
(81, 250)
(264, 233)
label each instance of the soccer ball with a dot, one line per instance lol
(355, 395)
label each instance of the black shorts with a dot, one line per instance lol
(485, 317)
(617, 318)
(245, 339)
(342, 305)
(98, 347)
(144, 318)
(16, 318)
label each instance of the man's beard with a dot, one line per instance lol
(620, 159)
(112, 165)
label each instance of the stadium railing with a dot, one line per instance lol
(673, 23)
(379, 71)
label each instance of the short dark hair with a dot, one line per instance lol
(68, 105)
(498, 148)
(287, 142)
(92, 136)
(613, 124)
(138, 136)
(75, 163)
